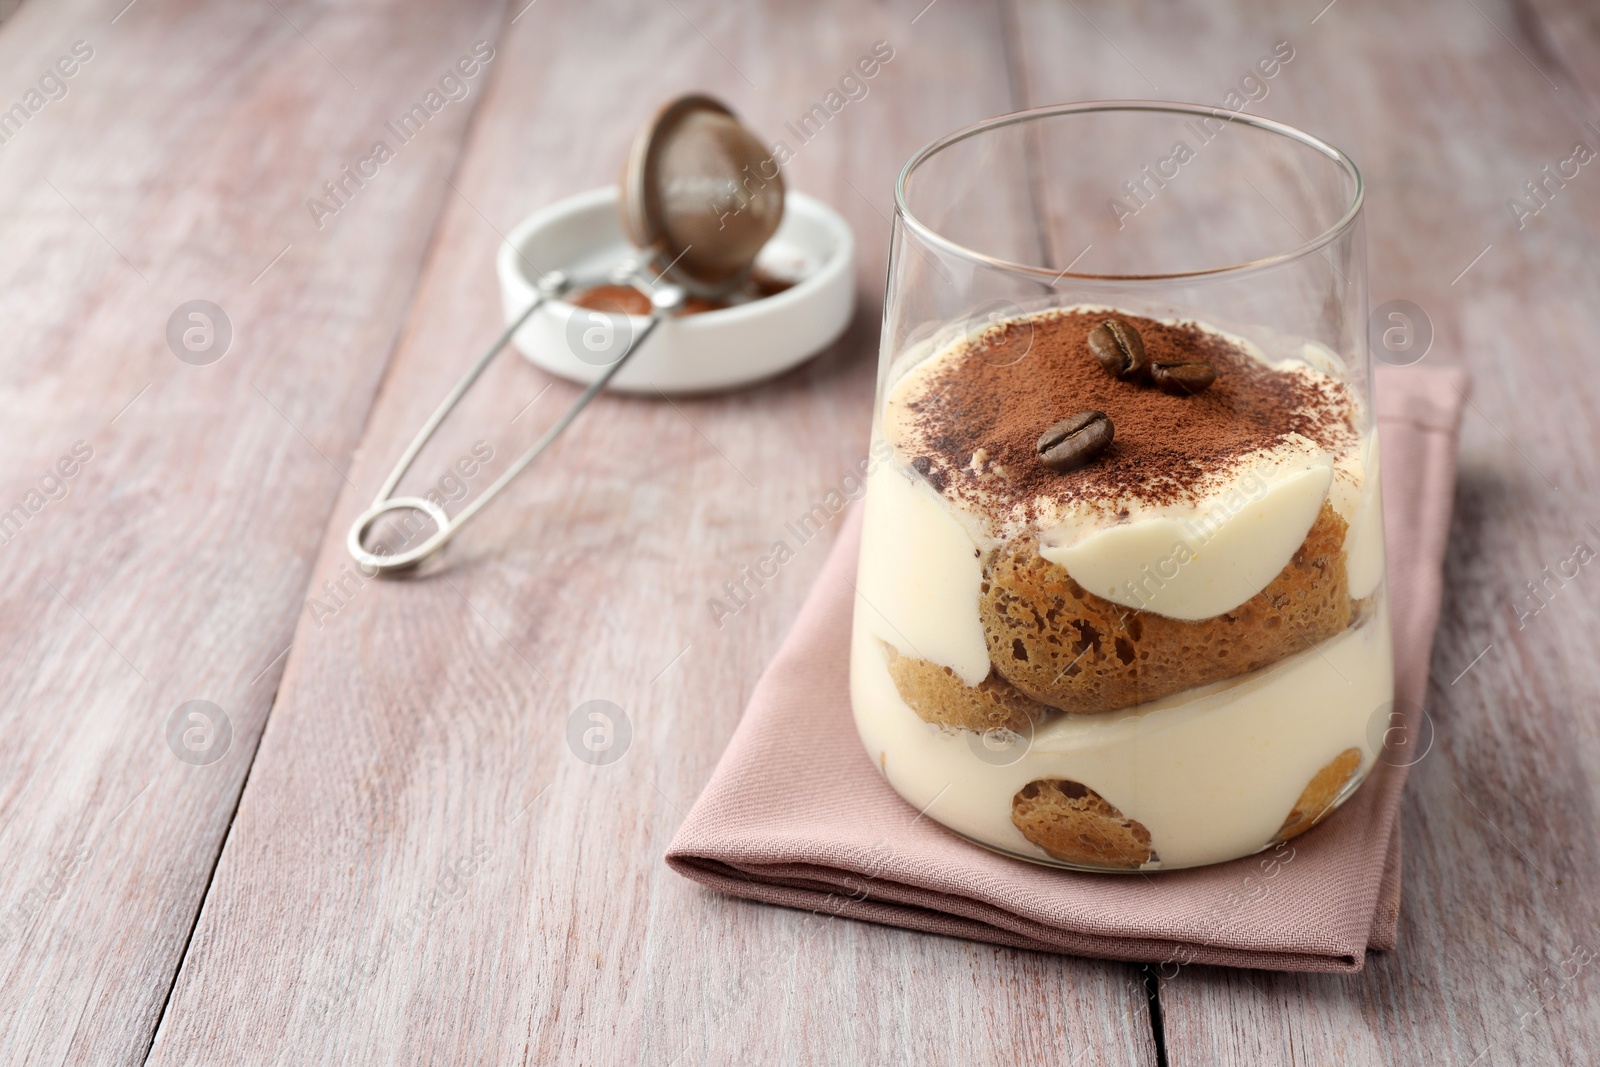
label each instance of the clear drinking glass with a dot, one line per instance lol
(1172, 651)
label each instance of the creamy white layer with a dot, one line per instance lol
(1210, 772)
(921, 559)
(920, 573)
(1191, 564)
(1196, 559)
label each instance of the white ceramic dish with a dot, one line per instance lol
(711, 351)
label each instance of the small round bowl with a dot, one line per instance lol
(706, 352)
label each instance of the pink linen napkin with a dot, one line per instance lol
(797, 814)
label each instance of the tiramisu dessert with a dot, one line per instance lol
(1121, 588)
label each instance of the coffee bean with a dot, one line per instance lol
(1183, 379)
(1071, 443)
(1119, 349)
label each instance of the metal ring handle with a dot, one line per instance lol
(666, 301)
(371, 562)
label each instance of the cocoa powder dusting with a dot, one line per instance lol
(626, 300)
(989, 403)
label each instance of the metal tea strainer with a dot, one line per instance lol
(700, 197)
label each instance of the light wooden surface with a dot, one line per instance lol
(398, 859)
(175, 168)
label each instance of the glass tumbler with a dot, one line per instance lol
(1121, 598)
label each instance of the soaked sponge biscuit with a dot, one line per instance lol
(1075, 824)
(939, 695)
(1070, 649)
(1320, 793)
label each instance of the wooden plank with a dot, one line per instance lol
(1562, 39)
(166, 559)
(420, 869)
(1499, 827)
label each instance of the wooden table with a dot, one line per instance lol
(393, 856)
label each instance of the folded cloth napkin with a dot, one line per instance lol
(797, 814)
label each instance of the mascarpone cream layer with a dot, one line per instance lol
(1211, 772)
(1190, 560)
